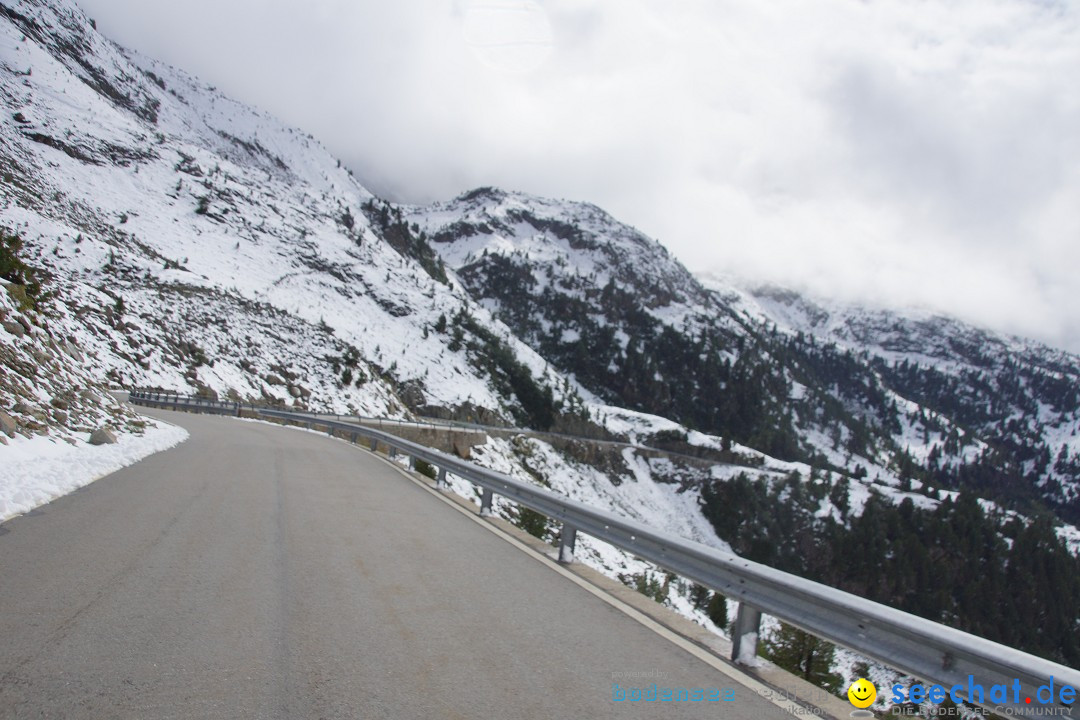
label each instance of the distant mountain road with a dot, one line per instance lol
(261, 572)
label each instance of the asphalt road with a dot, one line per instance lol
(260, 572)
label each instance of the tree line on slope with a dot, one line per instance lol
(998, 576)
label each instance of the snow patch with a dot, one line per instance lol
(38, 470)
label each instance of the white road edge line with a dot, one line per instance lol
(762, 690)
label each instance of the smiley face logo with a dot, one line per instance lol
(862, 693)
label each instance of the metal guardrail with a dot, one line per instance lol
(205, 404)
(925, 649)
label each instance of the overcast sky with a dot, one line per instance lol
(904, 152)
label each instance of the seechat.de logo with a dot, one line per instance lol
(974, 692)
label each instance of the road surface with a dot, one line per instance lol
(261, 572)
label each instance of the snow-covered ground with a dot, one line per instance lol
(40, 469)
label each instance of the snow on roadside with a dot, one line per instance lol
(40, 469)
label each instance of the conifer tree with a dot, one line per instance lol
(804, 655)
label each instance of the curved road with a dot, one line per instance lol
(261, 572)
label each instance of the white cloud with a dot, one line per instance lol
(897, 150)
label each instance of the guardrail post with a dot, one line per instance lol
(744, 635)
(391, 452)
(567, 540)
(440, 479)
(374, 444)
(412, 463)
(485, 502)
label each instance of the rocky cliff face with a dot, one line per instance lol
(45, 389)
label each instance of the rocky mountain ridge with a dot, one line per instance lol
(909, 400)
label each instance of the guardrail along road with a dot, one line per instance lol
(260, 572)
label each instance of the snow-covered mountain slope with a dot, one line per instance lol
(575, 246)
(914, 335)
(875, 395)
(973, 397)
(59, 426)
(604, 303)
(199, 245)
(45, 390)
